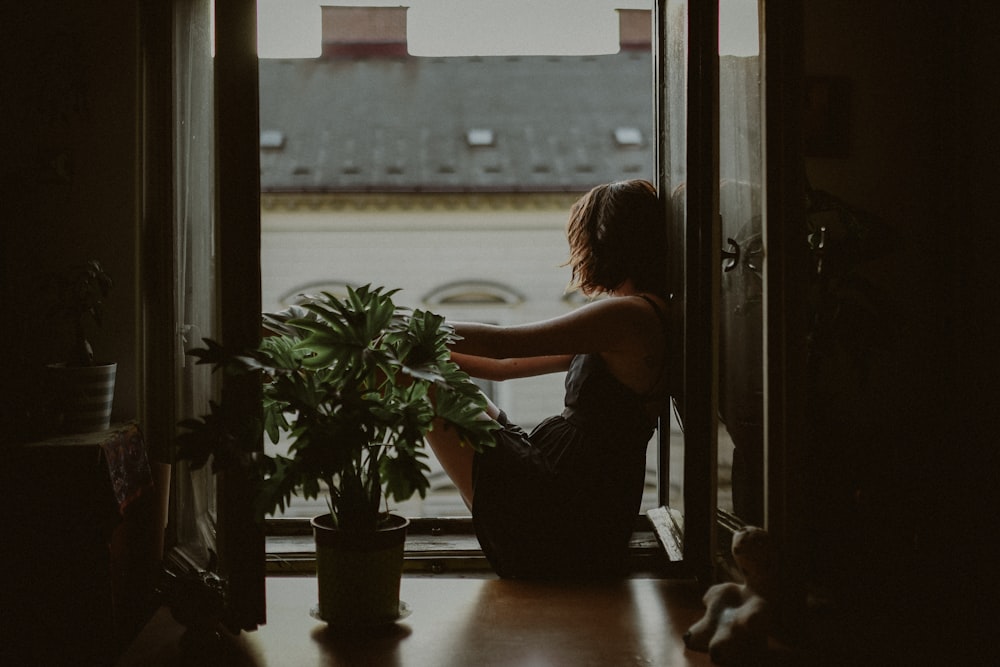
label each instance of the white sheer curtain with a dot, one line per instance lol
(194, 255)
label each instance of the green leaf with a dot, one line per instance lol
(280, 478)
(467, 417)
(404, 475)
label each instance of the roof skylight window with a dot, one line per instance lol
(273, 139)
(628, 136)
(480, 137)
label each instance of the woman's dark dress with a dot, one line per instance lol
(562, 501)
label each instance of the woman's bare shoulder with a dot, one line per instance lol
(631, 308)
(617, 305)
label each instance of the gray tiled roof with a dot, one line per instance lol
(402, 123)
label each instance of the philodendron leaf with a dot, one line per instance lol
(213, 353)
(322, 357)
(275, 422)
(425, 372)
(280, 323)
(220, 435)
(198, 443)
(277, 354)
(280, 478)
(468, 417)
(405, 474)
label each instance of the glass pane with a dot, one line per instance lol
(449, 177)
(741, 433)
(673, 102)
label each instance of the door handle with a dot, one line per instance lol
(731, 258)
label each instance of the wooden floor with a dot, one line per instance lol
(463, 622)
(478, 620)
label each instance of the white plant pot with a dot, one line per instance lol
(86, 394)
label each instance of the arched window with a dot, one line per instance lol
(473, 293)
(476, 300)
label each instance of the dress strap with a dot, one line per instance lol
(664, 325)
(659, 313)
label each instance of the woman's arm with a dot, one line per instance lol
(608, 325)
(509, 369)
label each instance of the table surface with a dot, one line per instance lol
(459, 622)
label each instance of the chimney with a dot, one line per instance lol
(635, 29)
(364, 31)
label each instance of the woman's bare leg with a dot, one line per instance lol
(454, 457)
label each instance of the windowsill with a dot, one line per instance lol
(434, 554)
(440, 546)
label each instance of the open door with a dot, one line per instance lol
(200, 238)
(741, 304)
(687, 128)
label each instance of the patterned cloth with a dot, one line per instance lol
(128, 464)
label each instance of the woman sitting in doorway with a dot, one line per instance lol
(562, 500)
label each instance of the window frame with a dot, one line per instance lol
(239, 151)
(239, 540)
(432, 542)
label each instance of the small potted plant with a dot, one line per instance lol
(356, 384)
(85, 387)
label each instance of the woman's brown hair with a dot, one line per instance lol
(618, 231)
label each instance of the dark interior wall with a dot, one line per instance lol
(972, 392)
(68, 150)
(923, 146)
(67, 172)
(923, 143)
(870, 460)
(896, 59)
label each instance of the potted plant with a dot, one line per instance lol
(355, 384)
(84, 386)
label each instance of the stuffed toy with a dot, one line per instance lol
(734, 628)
